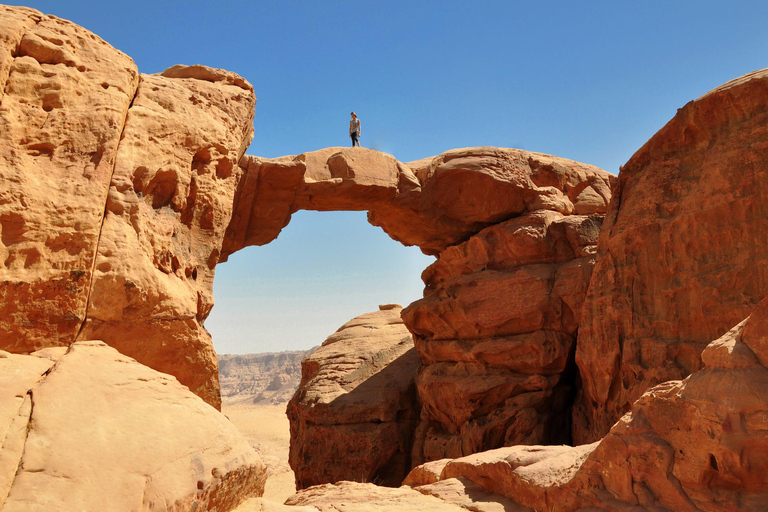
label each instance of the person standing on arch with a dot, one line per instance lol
(354, 129)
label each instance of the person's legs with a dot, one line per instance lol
(354, 139)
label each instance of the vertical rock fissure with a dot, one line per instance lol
(104, 214)
(28, 399)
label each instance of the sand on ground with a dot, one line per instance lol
(266, 427)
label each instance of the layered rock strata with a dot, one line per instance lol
(353, 415)
(678, 261)
(495, 333)
(496, 328)
(690, 445)
(268, 378)
(86, 428)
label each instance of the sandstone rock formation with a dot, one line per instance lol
(678, 263)
(353, 415)
(118, 209)
(495, 333)
(497, 325)
(86, 428)
(432, 210)
(66, 95)
(690, 445)
(117, 191)
(268, 378)
(169, 203)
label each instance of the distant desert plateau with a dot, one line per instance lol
(255, 390)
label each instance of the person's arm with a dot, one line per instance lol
(359, 128)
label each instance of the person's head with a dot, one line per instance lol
(354, 116)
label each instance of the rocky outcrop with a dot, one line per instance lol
(117, 191)
(64, 102)
(123, 191)
(678, 262)
(268, 378)
(353, 415)
(495, 332)
(496, 328)
(86, 428)
(690, 445)
(169, 203)
(432, 210)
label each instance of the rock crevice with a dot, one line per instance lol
(104, 216)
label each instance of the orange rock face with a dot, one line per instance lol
(112, 219)
(495, 333)
(98, 431)
(169, 203)
(496, 327)
(432, 211)
(690, 445)
(678, 261)
(353, 415)
(66, 95)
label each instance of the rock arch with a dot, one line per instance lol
(114, 231)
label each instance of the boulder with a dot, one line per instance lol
(353, 415)
(87, 428)
(678, 261)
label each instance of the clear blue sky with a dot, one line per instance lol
(591, 81)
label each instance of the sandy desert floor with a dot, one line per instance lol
(266, 428)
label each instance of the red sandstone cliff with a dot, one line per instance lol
(679, 259)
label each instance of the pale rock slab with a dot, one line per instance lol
(102, 432)
(363, 497)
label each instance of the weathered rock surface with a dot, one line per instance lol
(502, 303)
(366, 497)
(169, 204)
(353, 415)
(495, 332)
(66, 95)
(112, 218)
(432, 211)
(86, 428)
(679, 263)
(686, 446)
(268, 378)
